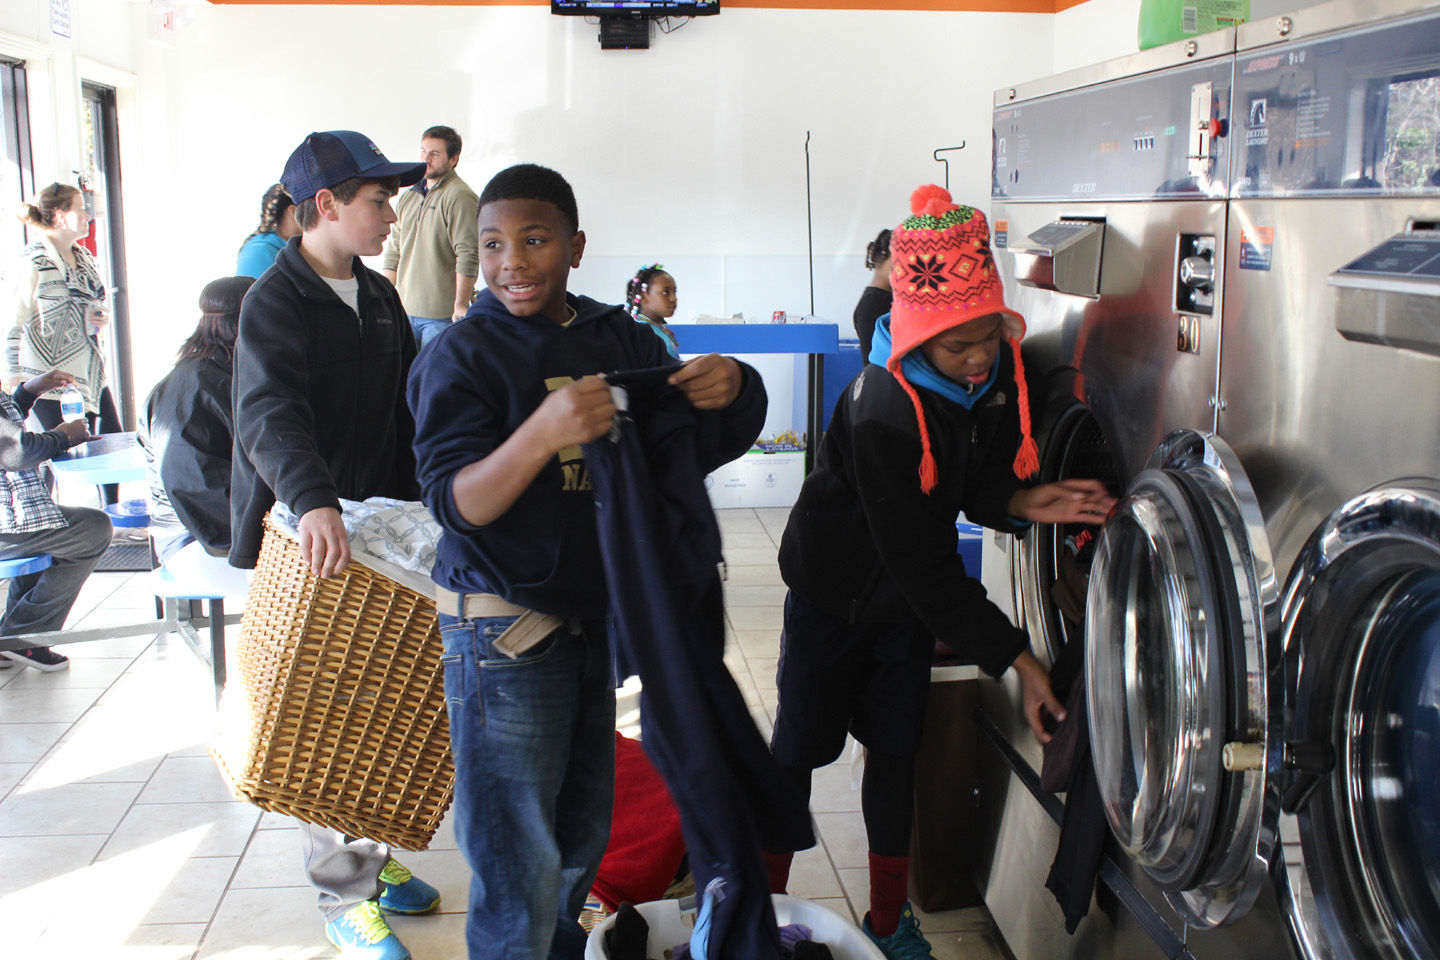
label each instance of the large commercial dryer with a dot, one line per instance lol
(1229, 254)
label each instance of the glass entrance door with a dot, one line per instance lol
(100, 182)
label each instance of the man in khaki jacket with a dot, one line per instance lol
(432, 254)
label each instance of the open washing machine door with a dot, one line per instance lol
(1361, 805)
(1182, 591)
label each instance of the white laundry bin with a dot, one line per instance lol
(671, 926)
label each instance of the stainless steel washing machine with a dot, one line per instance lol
(1110, 223)
(1262, 621)
(1330, 395)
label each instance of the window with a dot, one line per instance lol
(17, 173)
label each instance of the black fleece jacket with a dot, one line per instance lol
(319, 406)
(865, 544)
(477, 382)
(187, 434)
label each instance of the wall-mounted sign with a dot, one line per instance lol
(60, 18)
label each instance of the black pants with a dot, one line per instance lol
(108, 421)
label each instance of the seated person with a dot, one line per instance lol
(32, 523)
(186, 432)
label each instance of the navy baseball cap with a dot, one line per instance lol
(334, 156)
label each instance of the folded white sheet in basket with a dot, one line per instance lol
(396, 538)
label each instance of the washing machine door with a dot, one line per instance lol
(1181, 591)
(1361, 802)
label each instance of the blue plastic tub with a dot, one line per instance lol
(970, 536)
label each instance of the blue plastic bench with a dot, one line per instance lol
(20, 566)
(171, 591)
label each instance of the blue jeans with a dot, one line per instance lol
(534, 746)
(427, 328)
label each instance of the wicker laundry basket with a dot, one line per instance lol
(334, 712)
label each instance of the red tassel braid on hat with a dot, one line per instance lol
(943, 275)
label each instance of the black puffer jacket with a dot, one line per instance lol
(864, 543)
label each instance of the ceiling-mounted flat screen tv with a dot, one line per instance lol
(643, 8)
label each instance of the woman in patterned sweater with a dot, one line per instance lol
(58, 308)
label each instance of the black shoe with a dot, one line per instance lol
(629, 936)
(41, 658)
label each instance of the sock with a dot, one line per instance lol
(889, 889)
(777, 867)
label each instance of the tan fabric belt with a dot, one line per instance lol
(528, 629)
(468, 606)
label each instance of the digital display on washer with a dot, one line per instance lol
(1354, 113)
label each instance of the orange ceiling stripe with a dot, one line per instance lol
(952, 6)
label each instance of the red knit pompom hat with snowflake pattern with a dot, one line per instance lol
(943, 275)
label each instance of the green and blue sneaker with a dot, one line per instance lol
(403, 892)
(362, 934)
(906, 943)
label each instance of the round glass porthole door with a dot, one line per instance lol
(1362, 803)
(1176, 679)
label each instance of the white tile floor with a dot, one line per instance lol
(119, 840)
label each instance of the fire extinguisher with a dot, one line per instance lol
(84, 181)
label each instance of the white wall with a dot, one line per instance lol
(1094, 31)
(691, 152)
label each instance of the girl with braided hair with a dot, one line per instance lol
(277, 226)
(650, 299)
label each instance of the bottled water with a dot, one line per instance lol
(72, 404)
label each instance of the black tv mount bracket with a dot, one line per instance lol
(946, 160)
(624, 32)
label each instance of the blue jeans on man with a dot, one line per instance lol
(534, 747)
(427, 328)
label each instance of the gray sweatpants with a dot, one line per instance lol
(40, 602)
(343, 870)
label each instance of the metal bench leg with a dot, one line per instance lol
(217, 644)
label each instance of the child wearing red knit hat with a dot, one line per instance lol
(937, 423)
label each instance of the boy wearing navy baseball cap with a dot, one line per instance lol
(321, 360)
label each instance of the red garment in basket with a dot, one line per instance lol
(646, 845)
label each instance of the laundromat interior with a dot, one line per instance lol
(1225, 244)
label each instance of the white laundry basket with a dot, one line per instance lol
(670, 926)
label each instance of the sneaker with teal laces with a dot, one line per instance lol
(403, 892)
(362, 934)
(906, 943)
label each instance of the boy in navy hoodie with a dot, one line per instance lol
(502, 402)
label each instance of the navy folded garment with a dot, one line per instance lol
(660, 546)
